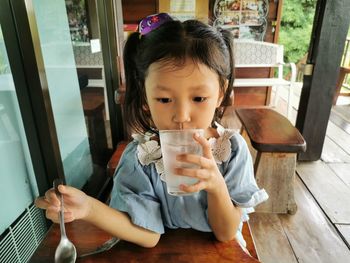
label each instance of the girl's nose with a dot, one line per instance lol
(181, 115)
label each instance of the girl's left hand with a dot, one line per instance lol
(208, 175)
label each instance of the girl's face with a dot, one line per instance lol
(182, 97)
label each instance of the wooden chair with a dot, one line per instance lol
(274, 143)
(93, 100)
(113, 163)
(258, 54)
(342, 73)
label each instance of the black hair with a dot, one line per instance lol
(174, 41)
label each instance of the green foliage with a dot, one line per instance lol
(4, 67)
(296, 26)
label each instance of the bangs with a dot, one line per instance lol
(185, 42)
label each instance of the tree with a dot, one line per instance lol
(296, 26)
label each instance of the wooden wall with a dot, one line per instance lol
(134, 10)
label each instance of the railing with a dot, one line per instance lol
(346, 55)
(346, 62)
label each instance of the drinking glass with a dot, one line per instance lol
(173, 143)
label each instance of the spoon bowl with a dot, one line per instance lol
(66, 251)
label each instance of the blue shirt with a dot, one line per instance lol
(139, 191)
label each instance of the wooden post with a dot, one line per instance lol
(330, 28)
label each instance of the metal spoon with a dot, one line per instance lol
(65, 252)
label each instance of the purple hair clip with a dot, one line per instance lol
(152, 22)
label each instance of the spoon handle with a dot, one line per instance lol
(56, 183)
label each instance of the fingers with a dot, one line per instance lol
(193, 187)
(204, 161)
(205, 145)
(53, 215)
(51, 211)
(201, 174)
(207, 172)
(52, 198)
(42, 203)
(66, 190)
(195, 159)
(51, 203)
(70, 192)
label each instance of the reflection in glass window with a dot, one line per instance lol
(18, 187)
(61, 74)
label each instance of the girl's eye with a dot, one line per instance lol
(199, 99)
(164, 100)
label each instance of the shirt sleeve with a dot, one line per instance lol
(134, 194)
(239, 176)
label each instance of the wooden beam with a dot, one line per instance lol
(330, 28)
(278, 21)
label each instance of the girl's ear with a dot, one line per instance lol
(222, 94)
(145, 107)
(144, 102)
(219, 101)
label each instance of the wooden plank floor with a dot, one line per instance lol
(320, 230)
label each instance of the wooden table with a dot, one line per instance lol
(180, 245)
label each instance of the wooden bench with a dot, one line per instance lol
(113, 163)
(274, 143)
(258, 54)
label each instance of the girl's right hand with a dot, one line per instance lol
(76, 204)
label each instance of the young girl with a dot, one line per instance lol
(179, 75)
